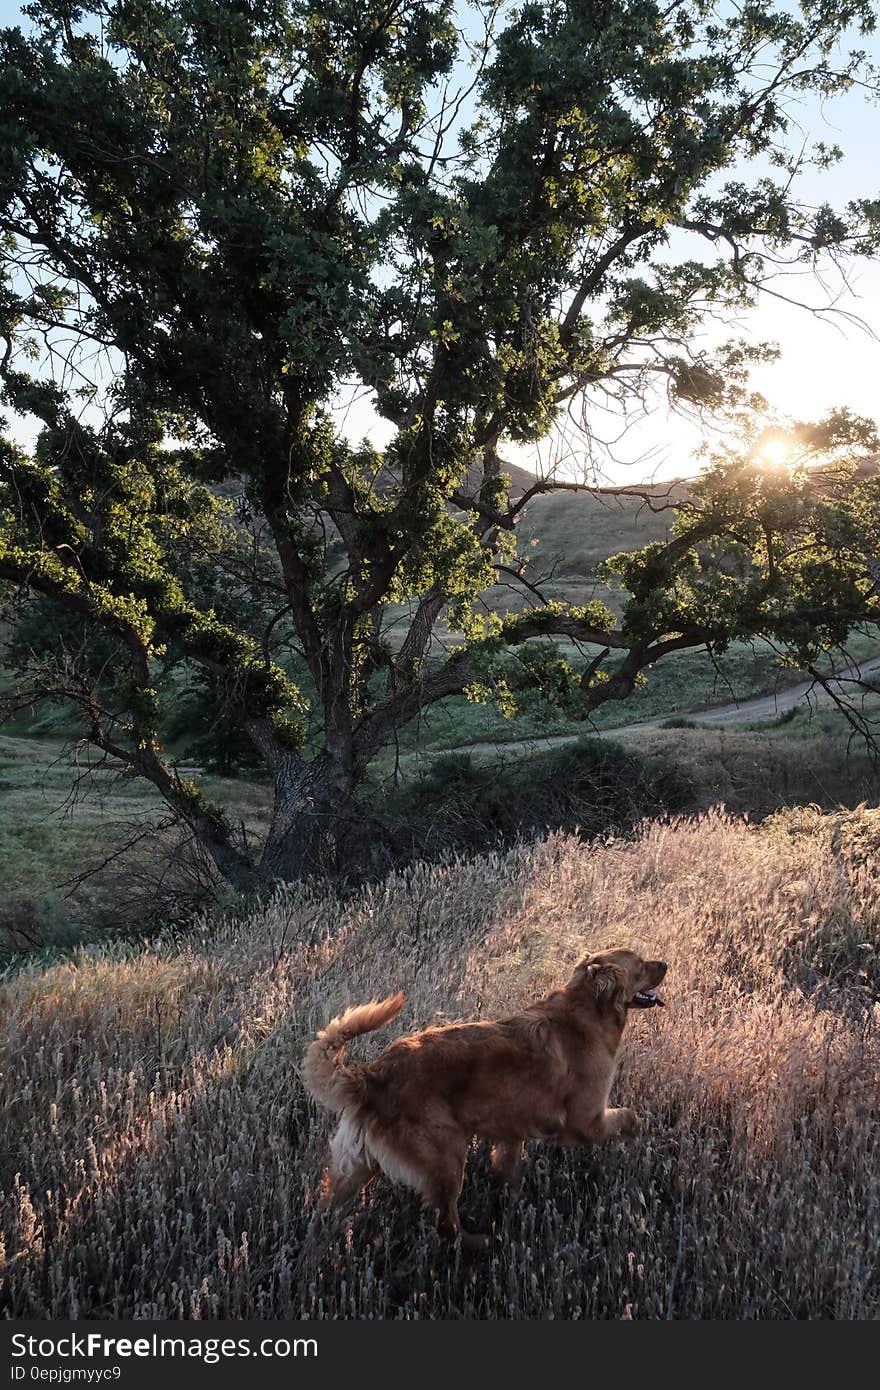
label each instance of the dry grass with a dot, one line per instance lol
(162, 1157)
(763, 770)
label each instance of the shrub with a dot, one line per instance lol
(459, 806)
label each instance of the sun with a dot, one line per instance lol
(776, 451)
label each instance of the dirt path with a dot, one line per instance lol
(758, 710)
(764, 707)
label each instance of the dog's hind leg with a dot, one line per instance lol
(507, 1159)
(442, 1192)
(432, 1162)
(339, 1188)
(350, 1168)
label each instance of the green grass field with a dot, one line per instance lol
(58, 819)
(685, 682)
(49, 836)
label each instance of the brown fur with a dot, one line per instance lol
(542, 1074)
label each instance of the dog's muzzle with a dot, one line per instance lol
(646, 999)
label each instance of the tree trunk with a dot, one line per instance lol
(312, 811)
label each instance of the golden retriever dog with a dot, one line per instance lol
(544, 1073)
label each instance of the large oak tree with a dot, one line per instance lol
(216, 217)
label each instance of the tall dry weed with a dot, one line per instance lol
(160, 1158)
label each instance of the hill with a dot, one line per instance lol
(565, 535)
(162, 1160)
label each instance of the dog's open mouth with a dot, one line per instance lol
(646, 999)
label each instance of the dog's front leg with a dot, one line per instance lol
(619, 1124)
(507, 1159)
(595, 1129)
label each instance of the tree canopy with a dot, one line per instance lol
(216, 219)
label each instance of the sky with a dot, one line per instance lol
(826, 360)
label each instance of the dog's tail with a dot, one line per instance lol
(323, 1071)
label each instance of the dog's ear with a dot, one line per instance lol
(609, 981)
(581, 973)
(606, 982)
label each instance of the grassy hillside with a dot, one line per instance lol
(47, 837)
(573, 532)
(682, 683)
(565, 536)
(161, 1160)
(56, 823)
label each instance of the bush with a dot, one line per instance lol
(587, 787)
(463, 807)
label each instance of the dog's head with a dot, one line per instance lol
(620, 980)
